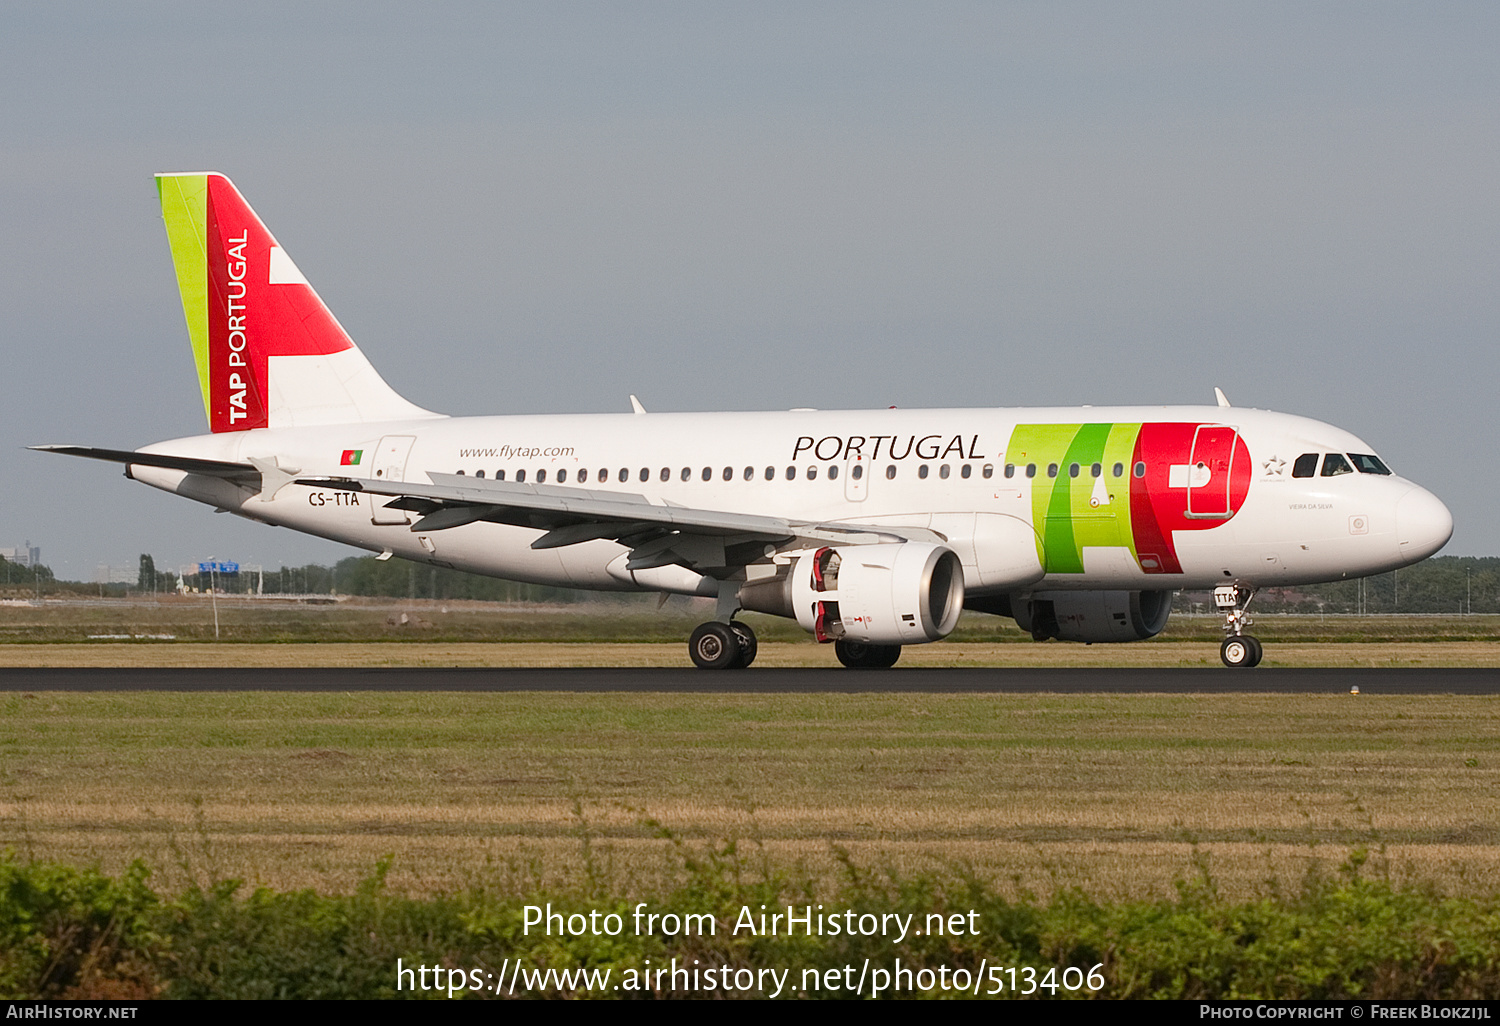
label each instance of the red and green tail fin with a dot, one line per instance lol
(269, 353)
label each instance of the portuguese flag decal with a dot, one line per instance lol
(351, 457)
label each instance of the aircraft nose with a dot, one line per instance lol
(1423, 524)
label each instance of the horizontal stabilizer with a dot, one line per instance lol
(209, 468)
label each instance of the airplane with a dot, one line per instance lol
(873, 529)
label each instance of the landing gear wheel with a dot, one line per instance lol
(714, 646)
(1240, 650)
(1259, 651)
(857, 655)
(746, 639)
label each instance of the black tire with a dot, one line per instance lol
(858, 655)
(746, 638)
(714, 646)
(1259, 651)
(1238, 650)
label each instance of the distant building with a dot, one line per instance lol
(23, 555)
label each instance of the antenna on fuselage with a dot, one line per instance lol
(1218, 394)
(635, 404)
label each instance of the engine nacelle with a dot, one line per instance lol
(1093, 616)
(905, 593)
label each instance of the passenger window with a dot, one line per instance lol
(966, 471)
(922, 471)
(500, 475)
(666, 473)
(1072, 470)
(478, 473)
(858, 471)
(1140, 470)
(1010, 470)
(1031, 470)
(989, 470)
(1306, 465)
(687, 473)
(708, 474)
(890, 472)
(1052, 470)
(1096, 470)
(1119, 470)
(749, 473)
(833, 472)
(729, 473)
(1367, 464)
(770, 473)
(943, 472)
(1334, 465)
(624, 474)
(562, 476)
(460, 473)
(541, 477)
(603, 476)
(812, 473)
(791, 473)
(521, 476)
(645, 474)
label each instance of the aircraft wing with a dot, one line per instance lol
(657, 534)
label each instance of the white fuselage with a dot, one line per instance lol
(1282, 530)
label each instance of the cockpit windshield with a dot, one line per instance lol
(1335, 464)
(1367, 464)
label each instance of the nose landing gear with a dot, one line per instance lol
(1239, 648)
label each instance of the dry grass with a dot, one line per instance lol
(526, 653)
(1113, 793)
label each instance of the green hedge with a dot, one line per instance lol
(67, 932)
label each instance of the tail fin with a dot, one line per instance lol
(269, 353)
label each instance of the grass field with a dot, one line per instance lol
(772, 654)
(394, 633)
(626, 621)
(1118, 795)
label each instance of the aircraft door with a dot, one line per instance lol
(856, 477)
(390, 465)
(1211, 469)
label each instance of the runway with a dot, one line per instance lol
(1205, 680)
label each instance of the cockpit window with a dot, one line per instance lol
(1334, 465)
(1367, 464)
(1306, 465)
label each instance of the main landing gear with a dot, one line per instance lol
(1239, 648)
(857, 655)
(722, 646)
(723, 643)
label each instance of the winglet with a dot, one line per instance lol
(1220, 396)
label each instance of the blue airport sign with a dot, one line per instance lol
(218, 568)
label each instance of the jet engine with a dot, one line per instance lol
(1092, 616)
(904, 593)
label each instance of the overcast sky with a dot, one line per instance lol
(544, 207)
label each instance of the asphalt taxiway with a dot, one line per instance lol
(1204, 680)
